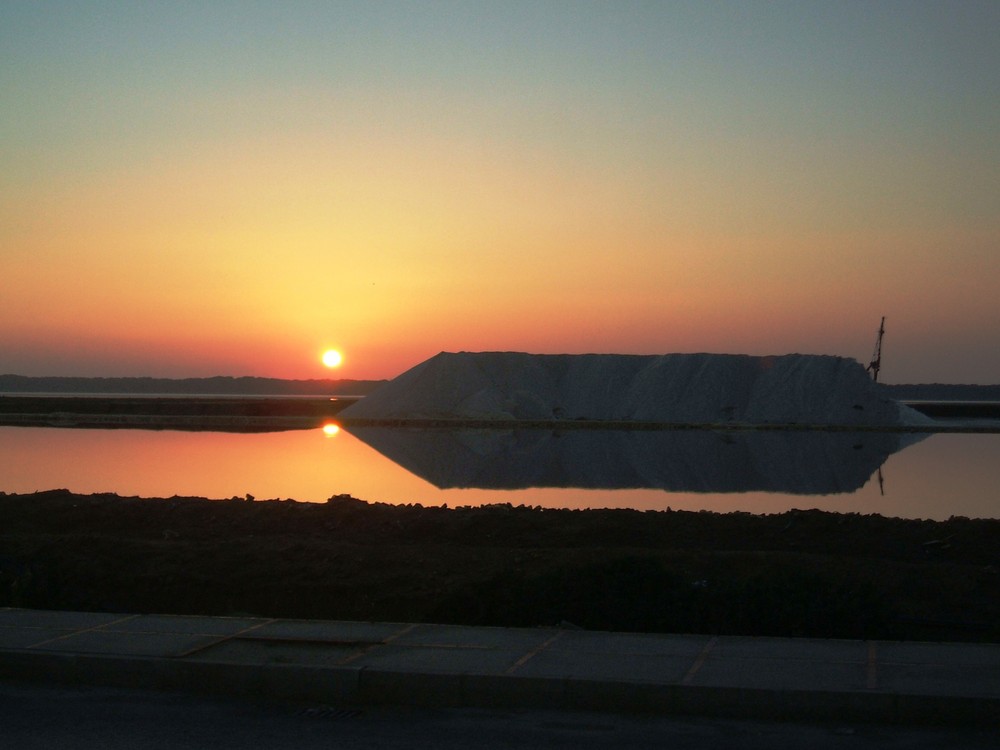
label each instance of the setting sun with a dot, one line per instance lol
(332, 358)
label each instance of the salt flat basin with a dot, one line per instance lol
(809, 462)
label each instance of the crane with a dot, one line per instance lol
(876, 364)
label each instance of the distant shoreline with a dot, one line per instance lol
(921, 392)
(243, 413)
(225, 412)
(210, 387)
(256, 386)
(253, 403)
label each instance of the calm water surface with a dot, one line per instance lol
(935, 477)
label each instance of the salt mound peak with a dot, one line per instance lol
(793, 389)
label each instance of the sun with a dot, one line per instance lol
(332, 358)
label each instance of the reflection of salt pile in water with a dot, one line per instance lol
(813, 462)
(794, 389)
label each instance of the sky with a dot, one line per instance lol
(230, 188)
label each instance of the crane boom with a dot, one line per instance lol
(876, 364)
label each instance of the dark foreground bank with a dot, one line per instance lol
(800, 573)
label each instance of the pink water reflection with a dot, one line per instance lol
(942, 476)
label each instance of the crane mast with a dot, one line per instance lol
(876, 364)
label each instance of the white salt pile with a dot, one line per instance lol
(794, 389)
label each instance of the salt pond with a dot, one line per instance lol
(937, 476)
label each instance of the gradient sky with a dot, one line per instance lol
(192, 188)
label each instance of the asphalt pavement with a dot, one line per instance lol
(37, 716)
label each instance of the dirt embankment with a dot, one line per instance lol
(800, 573)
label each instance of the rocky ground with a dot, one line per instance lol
(800, 573)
